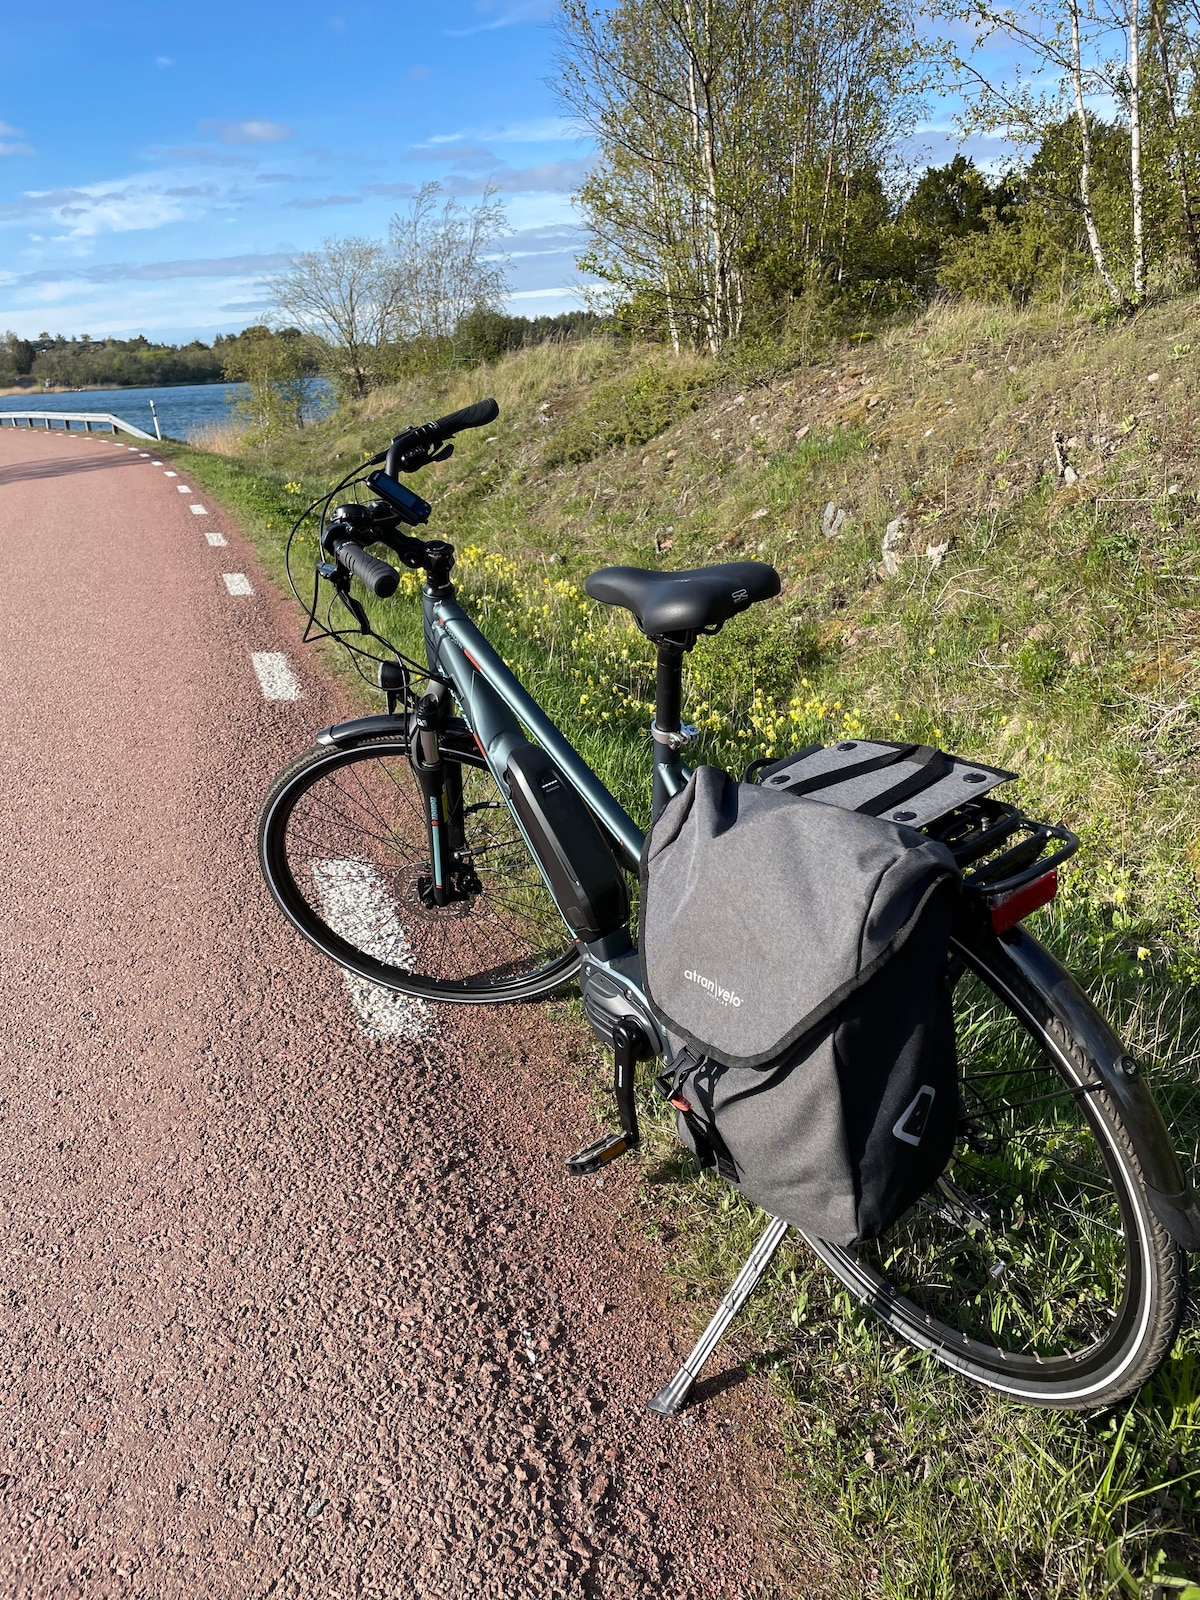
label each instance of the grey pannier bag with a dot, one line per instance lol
(797, 952)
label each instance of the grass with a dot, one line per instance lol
(1052, 629)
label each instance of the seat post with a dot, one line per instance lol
(668, 712)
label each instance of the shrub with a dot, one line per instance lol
(630, 411)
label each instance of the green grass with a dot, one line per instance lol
(1058, 636)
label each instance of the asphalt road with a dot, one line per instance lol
(290, 1304)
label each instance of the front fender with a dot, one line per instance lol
(1022, 964)
(344, 734)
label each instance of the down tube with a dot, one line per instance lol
(457, 648)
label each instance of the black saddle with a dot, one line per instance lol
(673, 603)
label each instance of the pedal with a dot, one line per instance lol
(598, 1154)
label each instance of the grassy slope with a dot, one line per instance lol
(1057, 635)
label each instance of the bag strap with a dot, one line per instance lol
(711, 1149)
(932, 764)
(852, 769)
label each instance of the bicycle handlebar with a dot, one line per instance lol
(379, 576)
(414, 447)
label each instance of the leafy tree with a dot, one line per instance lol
(276, 367)
(947, 204)
(447, 264)
(741, 149)
(345, 294)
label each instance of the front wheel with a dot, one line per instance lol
(1036, 1267)
(346, 851)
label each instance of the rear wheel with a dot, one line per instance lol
(345, 850)
(1037, 1266)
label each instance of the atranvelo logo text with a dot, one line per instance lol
(725, 996)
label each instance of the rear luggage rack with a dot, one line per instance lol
(998, 849)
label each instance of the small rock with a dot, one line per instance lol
(755, 418)
(937, 551)
(893, 536)
(831, 520)
(761, 512)
(555, 560)
(802, 433)
(315, 1509)
(978, 375)
(1069, 474)
(645, 461)
(1152, 377)
(671, 454)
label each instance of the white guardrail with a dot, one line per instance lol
(104, 420)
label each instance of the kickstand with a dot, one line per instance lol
(670, 1401)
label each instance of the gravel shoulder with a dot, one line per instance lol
(285, 1309)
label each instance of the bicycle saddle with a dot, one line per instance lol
(684, 602)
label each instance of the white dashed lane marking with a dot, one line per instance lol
(199, 510)
(145, 454)
(357, 906)
(156, 463)
(170, 474)
(183, 488)
(237, 583)
(215, 538)
(275, 676)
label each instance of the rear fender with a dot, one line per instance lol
(1021, 964)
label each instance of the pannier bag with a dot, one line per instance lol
(797, 952)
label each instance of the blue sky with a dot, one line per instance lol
(157, 162)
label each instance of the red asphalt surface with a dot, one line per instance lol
(284, 1311)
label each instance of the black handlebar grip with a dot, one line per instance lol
(381, 578)
(476, 416)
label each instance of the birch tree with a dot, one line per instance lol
(730, 134)
(1084, 54)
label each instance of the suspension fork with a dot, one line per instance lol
(441, 792)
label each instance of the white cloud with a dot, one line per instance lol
(542, 130)
(523, 11)
(11, 143)
(164, 61)
(97, 208)
(255, 130)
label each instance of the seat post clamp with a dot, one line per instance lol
(674, 741)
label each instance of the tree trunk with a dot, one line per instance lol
(1135, 151)
(1085, 165)
(1178, 148)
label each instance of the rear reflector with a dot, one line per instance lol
(1008, 910)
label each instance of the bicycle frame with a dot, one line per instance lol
(501, 713)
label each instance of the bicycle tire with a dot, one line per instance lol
(983, 1296)
(343, 849)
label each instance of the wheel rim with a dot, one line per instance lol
(1029, 1262)
(347, 858)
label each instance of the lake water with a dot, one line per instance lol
(182, 409)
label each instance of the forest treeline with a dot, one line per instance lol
(754, 186)
(754, 183)
(53, 361)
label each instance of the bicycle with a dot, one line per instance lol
(457, 848)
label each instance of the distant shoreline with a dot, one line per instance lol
(105, 388)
